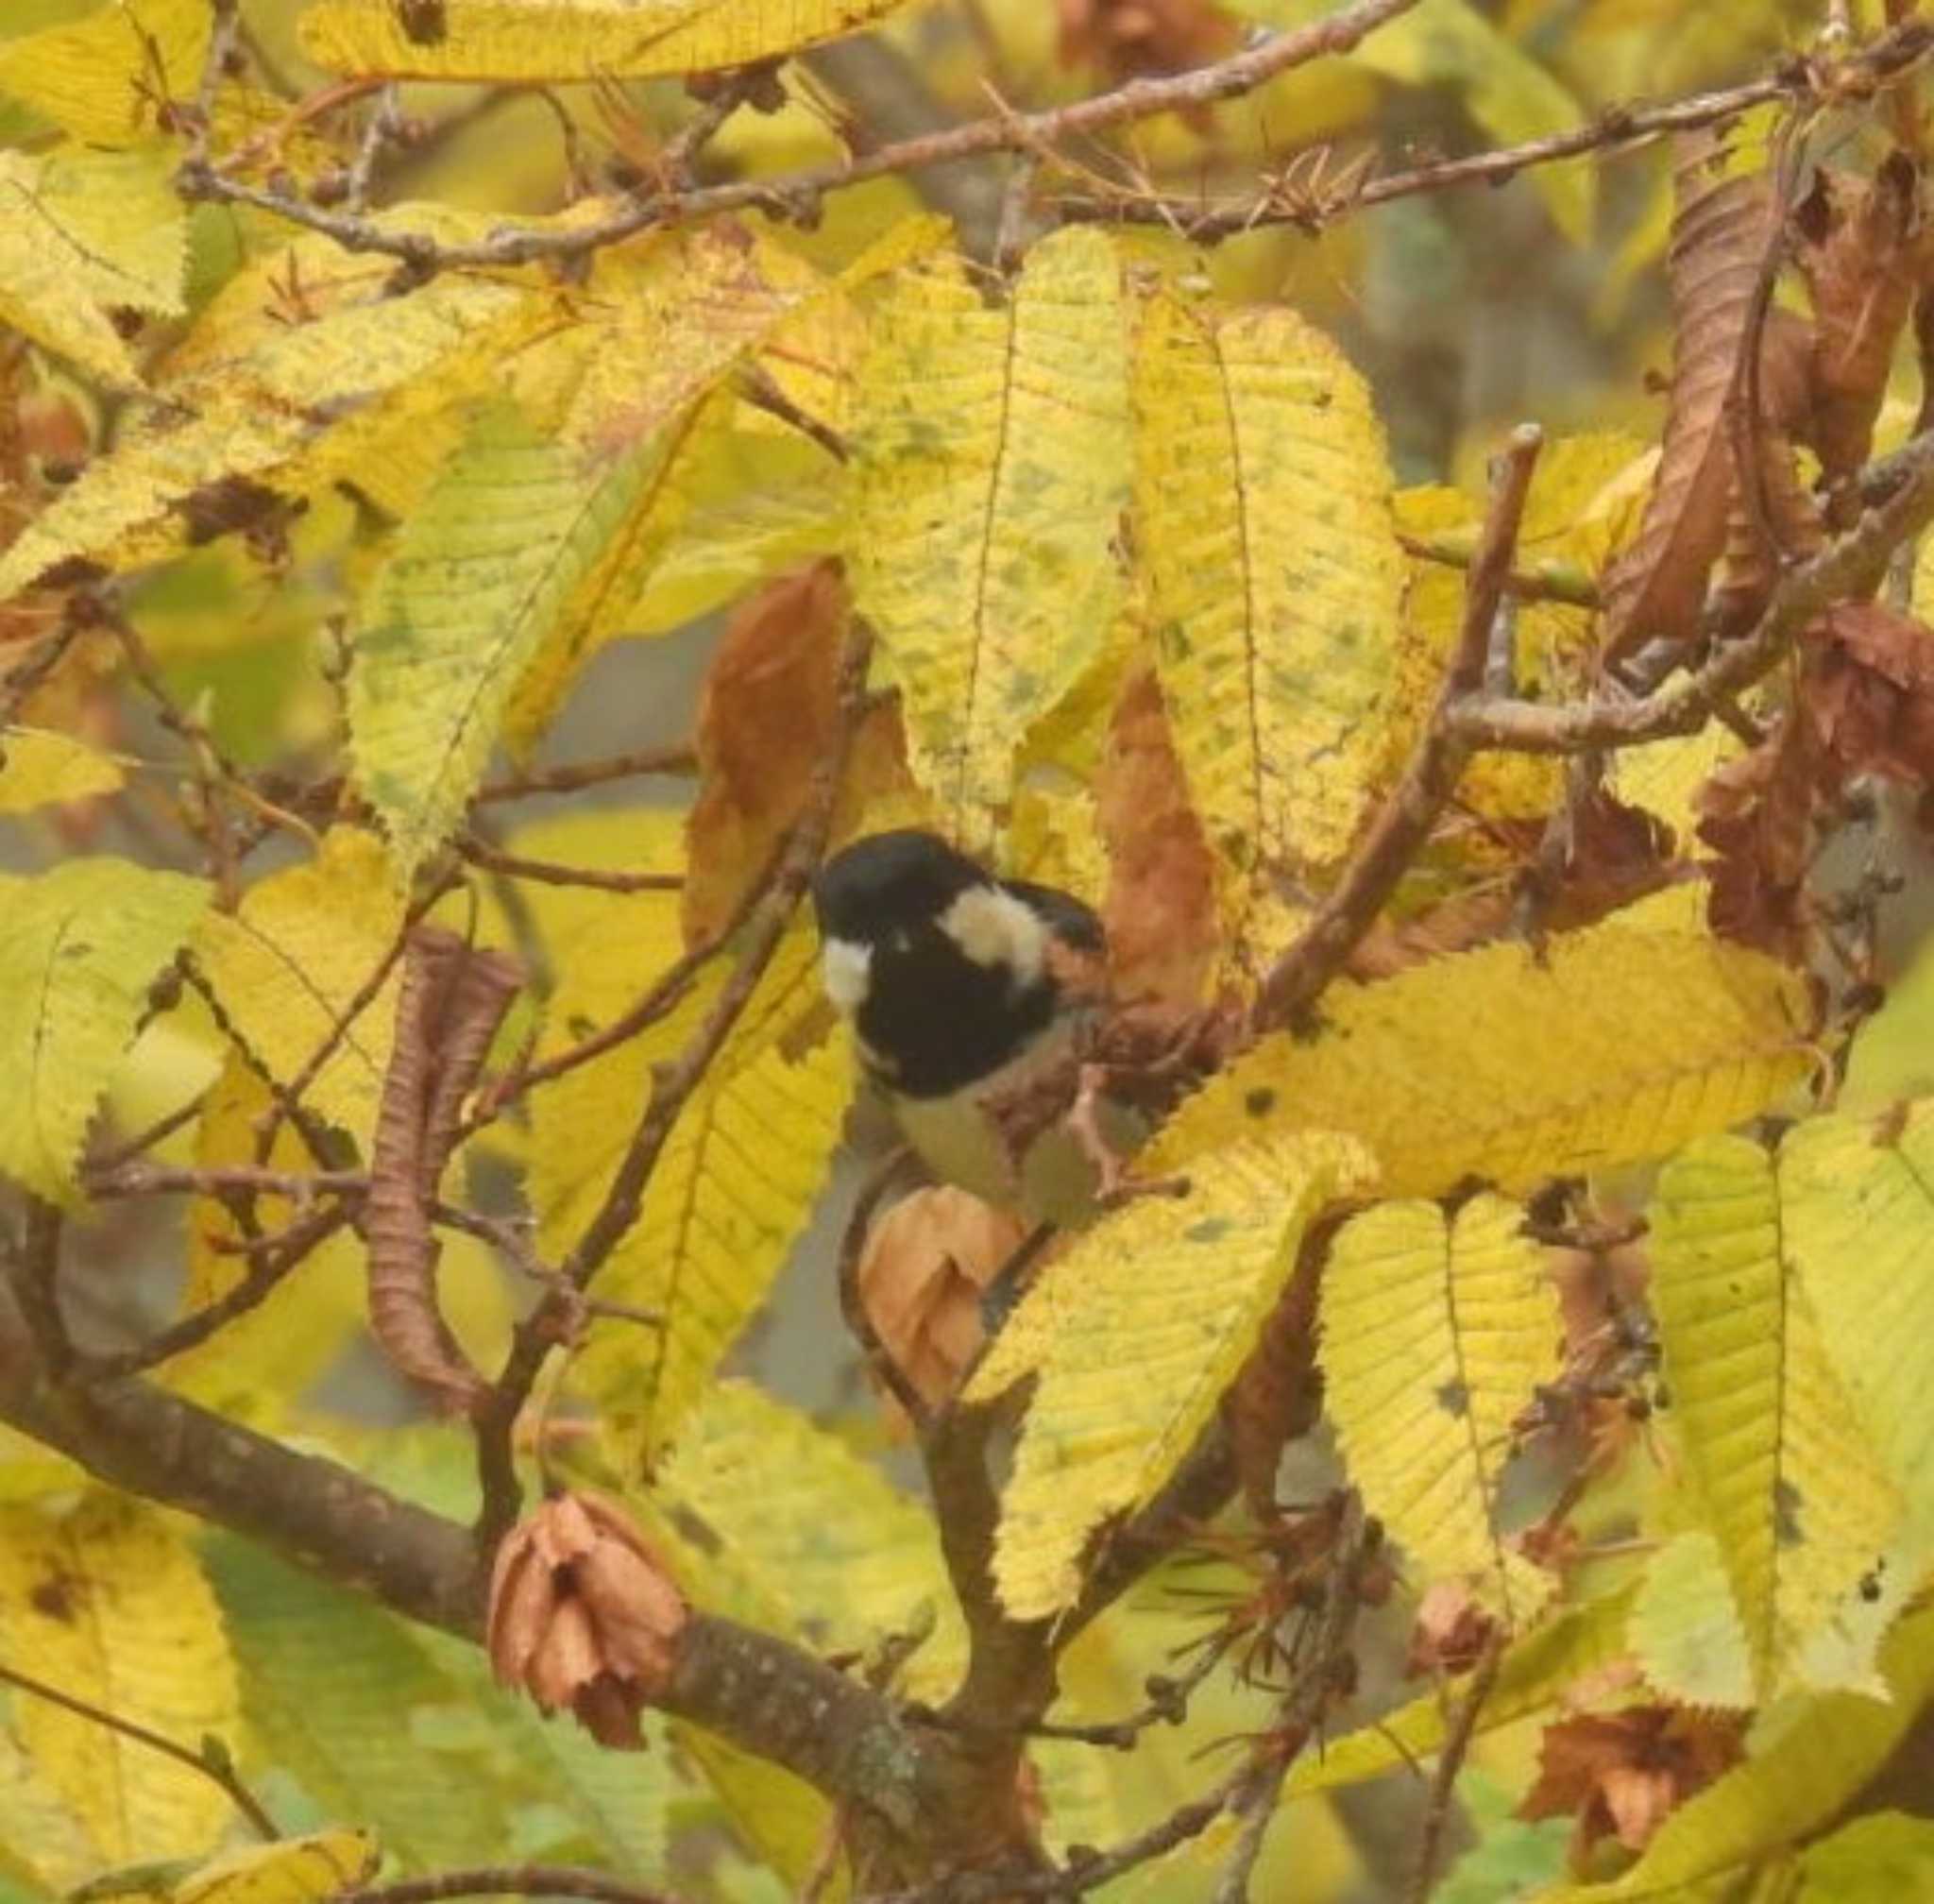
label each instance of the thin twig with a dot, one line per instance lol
(1405, 819)
(1845, 569)
(549, 873)
(506, 1881)
(212, 1765)
(138, 1146)
(794, 193)
(573, 777)
(1463, 1728)
(1617, 130)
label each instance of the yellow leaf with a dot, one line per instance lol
(646, 495)
(41, 769)
(991, 472)
(1663, 776)
(1830, 1746)
(291, 1871)
(1263, 501)
(1795, 1498)
(573, 38)
(1535, 1674)
(82, 945)
(1134, 1333)
(735, 1181)
(298, 402)
(1685, 1629)
(42, 1837)
(479, 575)
(1884, 1856)
(287, 967)
(101, 79)
(1857, 1202)
(1623, 1044)
(1434, 1336)
(108, 1602)
(758, 1475)
(258, 1368)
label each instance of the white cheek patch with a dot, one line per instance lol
(847, 968)
(993, 927)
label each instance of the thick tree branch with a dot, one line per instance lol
(762, 1693)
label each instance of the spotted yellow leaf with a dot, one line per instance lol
(1262, 509)
(1623, 1044)
(526, 40)
(1436, 1333)
(300, 951)
(992, 470)
(1134, 1333)
(1797, 1498)
(108, 1602)
(83, 944)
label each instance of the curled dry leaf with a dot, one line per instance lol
(1623, 1774)
(1756, 814)
(451, 1001)
(925, 1263)
(1161, 914)
(1868, 691)
(1860, 246)
(1720, 230)
(582, 1615)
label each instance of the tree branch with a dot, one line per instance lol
(790, 194)
(1404, 822)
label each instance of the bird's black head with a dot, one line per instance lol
(891, 883)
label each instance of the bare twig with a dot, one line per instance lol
(793, 192)
(1457, 1739)
(680, 758)
(507, 1880)
(212, 1764)
(1406, 818)
(1616, 130)
(1844, 569)
(549, 873)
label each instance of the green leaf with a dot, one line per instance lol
(83, 944)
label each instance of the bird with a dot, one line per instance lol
(962, 990)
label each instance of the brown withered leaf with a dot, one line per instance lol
(1756, 814)
(1277, 1393)
(582, 1615)
(1773, 519)
(1130, 38)
(1451, 1632)
(1721, 228)
(1868, 689)
(1621, 1774)
(1160, 915)
(453, 999)
(1859, 245)
(766, 711)
(922, 1271)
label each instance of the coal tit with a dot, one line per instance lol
(961, 988)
